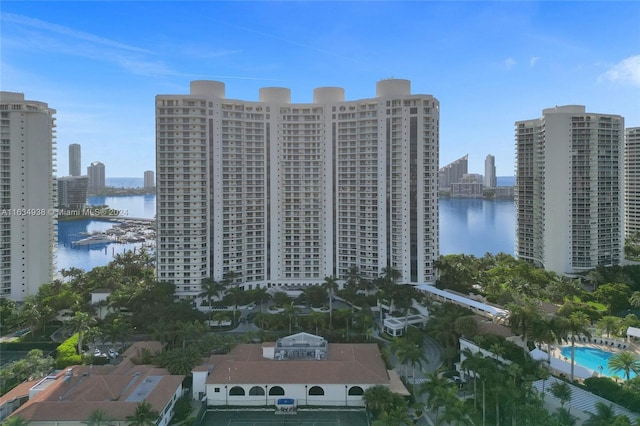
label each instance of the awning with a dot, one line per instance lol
(633, 332)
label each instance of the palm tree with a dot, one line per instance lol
(521, 318)
(576, 325)
(15, 421)
(562, 391)
(396, 416)
(331, 285)
(437, 388)
(81, 323)
(472, 361)
(594, 278)
(290, 312)
(318, 319)
(634, 300)
(542, 331)
(624, 361)
(210, 289)
(180, 361)
(98, 417)
(261, 294)
(604, 415)
(366, 322)
(609, 324)
(145, 415)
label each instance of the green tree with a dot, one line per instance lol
(379, 399)
(290, 311)
(521, 318)
(577, 324)
(396, 416)
(634, 300)
(609, 324)
(210, 289)
(615, 296)
(624, 361)
(81, 323)
(98, 417)
(15, 421)
(331, 285)
(318, 319)
(604, 415)
(144, 415)
(438, 389)
(180, 361)
(562, 391)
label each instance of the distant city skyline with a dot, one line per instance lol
(489, 63)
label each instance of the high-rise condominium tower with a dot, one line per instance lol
(490, 180)
(149, 180)
(569, 202)
(75, 159)
(453, 172)
(288, 194)
(632, 181)
(96, 173)
(27, 195)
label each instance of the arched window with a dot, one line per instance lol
(236, 391)
(276, 391)
(316, 390)
(356, 391)
(256, 390)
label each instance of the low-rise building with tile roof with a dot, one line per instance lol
(70, 396)
(301, 367)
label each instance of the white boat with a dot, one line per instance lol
(93, 239)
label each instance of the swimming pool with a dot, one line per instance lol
(594, 359)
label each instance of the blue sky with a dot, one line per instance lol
(100, 64)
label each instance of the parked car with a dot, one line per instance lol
(113, 353)
(96, 352)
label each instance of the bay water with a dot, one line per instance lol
(467, 226)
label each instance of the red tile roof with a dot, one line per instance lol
(345, 364)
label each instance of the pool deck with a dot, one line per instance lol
(631, 346)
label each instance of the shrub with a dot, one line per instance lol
(67, 354)
(614, 392)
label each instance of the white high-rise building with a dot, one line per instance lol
(27, 195)
(569, 183)
(96, 173)
(75, 159)
(490, 180)
(287, 194)
(632, 181)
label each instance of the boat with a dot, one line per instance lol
(94, 239)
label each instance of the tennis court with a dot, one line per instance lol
(269, 418)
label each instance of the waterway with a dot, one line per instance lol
(470, 226)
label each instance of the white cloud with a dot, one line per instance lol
(510, 63)
(626, 71)
(533, 60)
(59, 29)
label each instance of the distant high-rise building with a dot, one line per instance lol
(569, 177)
(149, 180)
(75, 159)
(453, 172)
(490, 180)
(632, 181)
(279, 193)
(72, 192)
(96, 173)
(27, 195)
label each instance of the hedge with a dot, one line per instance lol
(67, 354)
